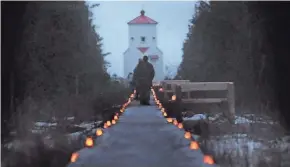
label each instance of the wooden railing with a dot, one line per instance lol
(181, 91)
(169, 85)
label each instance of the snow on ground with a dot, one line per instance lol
(240, 149)
(243, 149)
(37, 131)
(70, 118)
(74, 136)
(234, 146)
(216, 117)
(117, 106)
(195, 117)
(88, 125)
(17, 144)
(235, 143)
(40, 127)
(241, 120)
(44, 124)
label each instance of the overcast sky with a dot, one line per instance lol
(173, 17)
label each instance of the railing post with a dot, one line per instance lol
(162, 94)
(178, 93)
(178, 103)
(231, 101)
(159, 94)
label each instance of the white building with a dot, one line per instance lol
(143, 41)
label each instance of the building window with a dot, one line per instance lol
(143, 39)
(132, 38)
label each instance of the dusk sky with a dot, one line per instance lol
(111, 20)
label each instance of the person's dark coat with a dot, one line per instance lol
(144, 74)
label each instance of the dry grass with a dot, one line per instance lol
(52, 146)
(255, 140)
(32, 151)
(28, 149)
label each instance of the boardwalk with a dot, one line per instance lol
(141, 138)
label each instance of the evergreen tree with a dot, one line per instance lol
(59, 64)
(224, 44)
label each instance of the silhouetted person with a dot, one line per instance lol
(134, 79)
(143, 75)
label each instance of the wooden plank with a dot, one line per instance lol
(204, 100)
(168, 86)
(170, 82)
(175, 81)
(231, 101)
(204, 86)
(208, 86)
(169, 91)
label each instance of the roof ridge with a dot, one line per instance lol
(142, 19)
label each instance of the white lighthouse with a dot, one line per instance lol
(143, 41)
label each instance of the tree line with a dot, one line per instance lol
(236, 41)
(54, 62)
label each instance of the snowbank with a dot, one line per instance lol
(44, 124)
(195, 117)
(41, 126)
(220, 118)
(234, 148)
(241, 149)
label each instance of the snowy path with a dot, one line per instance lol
(142, 138)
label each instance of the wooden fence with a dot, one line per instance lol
(182, 91)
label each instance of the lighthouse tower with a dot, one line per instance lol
(143, 41)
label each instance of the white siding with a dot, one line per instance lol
(131, 60)
(146, 30)
(133, 54)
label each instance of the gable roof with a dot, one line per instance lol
(142, 19)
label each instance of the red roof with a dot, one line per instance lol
(142, 19)
(143, 49)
